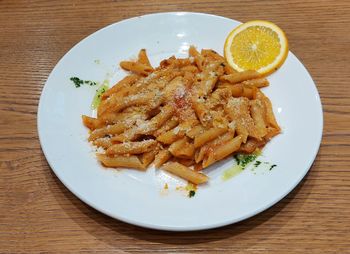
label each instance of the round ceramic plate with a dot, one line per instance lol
(139, 197)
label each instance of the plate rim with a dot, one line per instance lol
(165, 227)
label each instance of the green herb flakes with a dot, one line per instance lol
(272, 166)
(191, 193)
(257, 163)
(79, 82)
(244, 159)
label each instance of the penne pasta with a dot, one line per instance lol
(128, 118)
(185, 173)
(249, 92)
(166, 127)
(196, 130)
(237, 90)
(176, 133)
(120, 161)
(107, 130)
(237, 110)
(145, 127)
(270, 117)
(258, 113)
(132, 147)
(162, 157)
(212, 54)
(201, 110)
(204, 150)
(124, 83)
(137, 68)
(185, 162)
(198, 58)
(190, 68)
(103, 142)
(182, 148)
(116, 103)
(183, 115)
(240, 76)
(222, 151)
(143, 58)
(228, 69)
(90, 122)
(271, 132)
(165, 114)
(171, 136)
(207, 136)
(251, 145)
(148, 157)
(259, 82)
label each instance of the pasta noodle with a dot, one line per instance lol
(183, 115)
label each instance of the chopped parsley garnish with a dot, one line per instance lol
(191, 193)
(257, 163)
(79, 82)
(272, 166)
(90, 83)
(244, 159)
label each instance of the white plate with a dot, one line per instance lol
(137, 197)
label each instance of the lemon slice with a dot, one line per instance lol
(256, 45)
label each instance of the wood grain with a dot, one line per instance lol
(38, 214)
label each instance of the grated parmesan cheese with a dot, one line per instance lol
(176, 130)
(180, 92)
(232, 125)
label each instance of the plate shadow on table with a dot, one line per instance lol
(108, 230)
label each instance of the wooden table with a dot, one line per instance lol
(38, 214)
